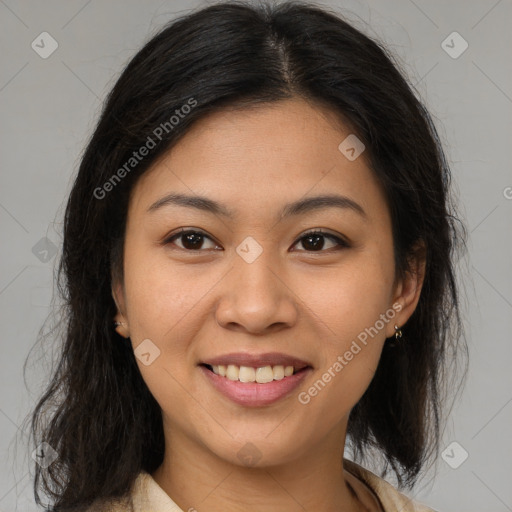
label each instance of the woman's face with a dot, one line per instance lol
(253, 283)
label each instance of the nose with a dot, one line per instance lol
(255, 298)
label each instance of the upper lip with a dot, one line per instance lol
(257, 360)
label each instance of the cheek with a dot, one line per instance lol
(353, 310)
(162, 307)
(350, 298)
(159, 302)
(349, 358)
(160, 295)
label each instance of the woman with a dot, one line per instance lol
(259, 275)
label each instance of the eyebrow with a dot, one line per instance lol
(299, 207)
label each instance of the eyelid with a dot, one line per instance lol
(168, 238)
(341, 241)
(321, 231)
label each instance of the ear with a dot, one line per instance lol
(119, 299)
(408, 289)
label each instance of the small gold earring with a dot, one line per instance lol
(398, 335)
(122, 329)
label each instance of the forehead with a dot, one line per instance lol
(256, 157)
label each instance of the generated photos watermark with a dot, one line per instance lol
(305, 397)
(150, 143)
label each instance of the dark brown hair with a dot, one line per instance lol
(97, 412)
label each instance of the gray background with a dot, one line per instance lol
(49, 107)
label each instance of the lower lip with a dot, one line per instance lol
(253, 394)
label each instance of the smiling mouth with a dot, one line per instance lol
(261, 375)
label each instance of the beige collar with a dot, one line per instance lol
(376, 494)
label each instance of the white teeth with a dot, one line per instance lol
(265, 374)
(232, 372)
(279, 372)
(261, 375)
(246, 374)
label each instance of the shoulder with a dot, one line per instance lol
(390, 498)
(108, 505)
(145, 496)
(124, 504)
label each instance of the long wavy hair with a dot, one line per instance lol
(96, 411)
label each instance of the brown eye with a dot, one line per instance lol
(314, 241)
(190, 240)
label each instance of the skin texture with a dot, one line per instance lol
(308, 303)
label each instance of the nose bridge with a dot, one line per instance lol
(255, 271)
(254, 296)
(255, 267)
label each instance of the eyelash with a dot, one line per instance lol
(342, 244)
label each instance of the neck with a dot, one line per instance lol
(196, 478)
